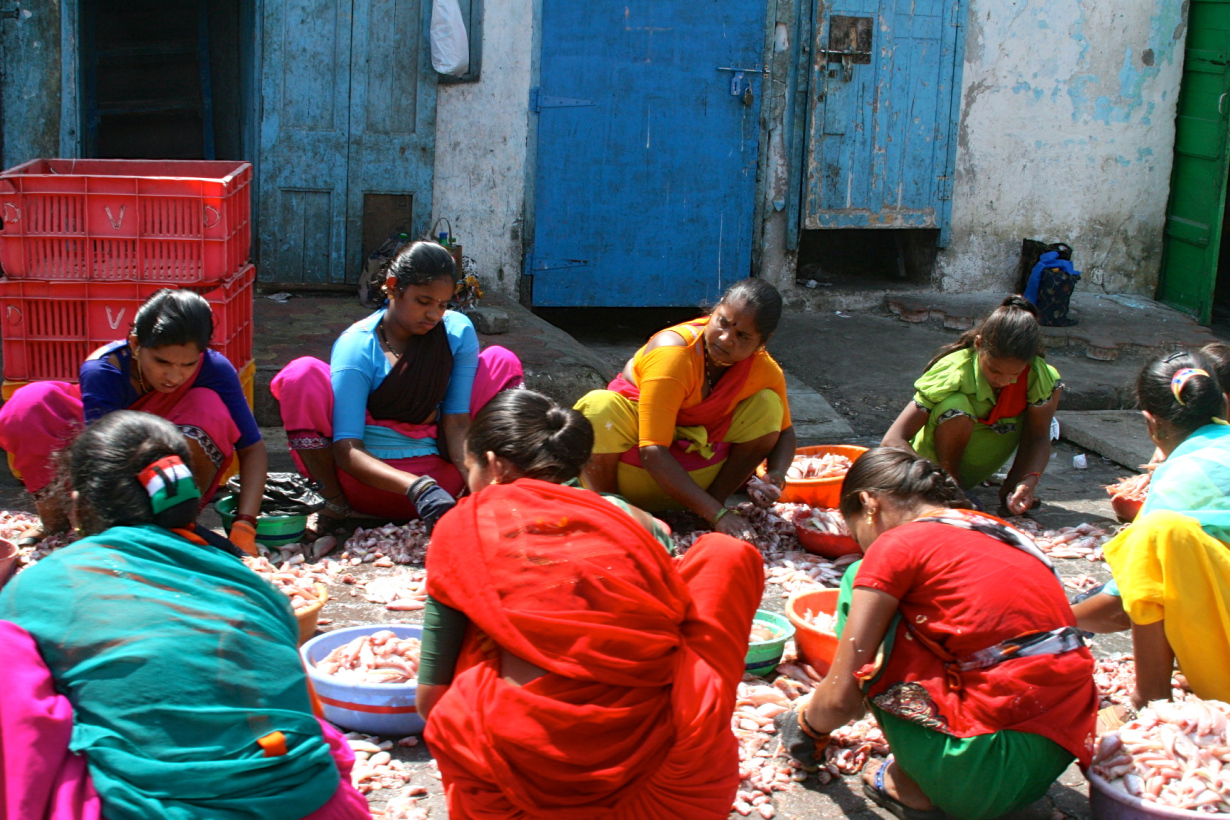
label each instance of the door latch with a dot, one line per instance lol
(12, 12)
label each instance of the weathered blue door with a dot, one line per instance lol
(647, 132)
(883, 113)
(348, 115)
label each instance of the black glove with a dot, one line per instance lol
(430, 499)
(799, 741)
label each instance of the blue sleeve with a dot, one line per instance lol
(104, 387)
(219, 375)
(352, 374)
(464, 343)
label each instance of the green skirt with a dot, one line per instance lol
(970, 778)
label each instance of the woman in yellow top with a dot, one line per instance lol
(695, 411)
(982, 397)
(1172, 566)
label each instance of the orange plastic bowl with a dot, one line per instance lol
(818, 492)
(823, 543)
(815, 647)
(1125, 508)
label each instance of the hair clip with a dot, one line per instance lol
(1181, 378)
(169, 482)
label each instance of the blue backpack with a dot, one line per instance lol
(1050, 287)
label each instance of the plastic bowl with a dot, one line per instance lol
(1125, 508)
(815, 647)
(764, 656)
(385, 709)
(1109, 802)
(310, 615)
(822, 543)
(8, 560)
(271, 530)
(818, 492)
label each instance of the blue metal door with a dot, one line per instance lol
(885, 75)
(647, 132)
(349, 102)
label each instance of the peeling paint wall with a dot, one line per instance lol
(482, 132)
(30, 47)
(1066, 134)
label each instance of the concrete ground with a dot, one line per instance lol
(849, 374)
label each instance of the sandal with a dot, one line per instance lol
(878, 795)
(327, 519)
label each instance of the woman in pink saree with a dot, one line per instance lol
(164, 367)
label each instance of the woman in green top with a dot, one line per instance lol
(189, 701)
(982, 397)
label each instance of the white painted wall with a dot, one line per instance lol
(481, 147)
(1066, 134)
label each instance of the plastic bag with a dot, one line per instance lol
(450, 47)
(285, 494)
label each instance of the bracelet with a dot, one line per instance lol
(419, 486)
(721, 513)
(1027, 475)
(818, 737)
(781, 477)
(243, 525)
(251, 519)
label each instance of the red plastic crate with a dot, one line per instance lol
(164, 221)
(49, 328)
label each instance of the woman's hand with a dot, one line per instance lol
(1021, 499)
(767, 491)
(735, 525)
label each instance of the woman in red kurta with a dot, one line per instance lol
(597, 676)
(985, 688)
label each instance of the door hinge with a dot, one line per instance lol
(13, 11)
(945, 188)
(539, 101)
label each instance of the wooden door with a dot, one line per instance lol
(647, 121)
(882, 114)
(1198, 182)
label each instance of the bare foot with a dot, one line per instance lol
(898, 785)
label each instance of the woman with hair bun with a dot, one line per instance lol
(382, 426)
(982, 397)
(985, 698)
(166, 367)
(1171, 567)
(570, 667)
(148, 672)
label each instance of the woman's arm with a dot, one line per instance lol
(1032, 455)
(453, 429)
(1154, 663)
(837, 700)
(1101, 614)
(782, 454)
(912, 419)
(352, 457)
(253, 470)
(675, 481)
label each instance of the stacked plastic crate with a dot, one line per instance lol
(84, 242)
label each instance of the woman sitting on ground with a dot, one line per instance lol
(695, 411)
(149, 673)
(382, 426)
(982, 397)
(1171, 567)
(985, 698)
(164, 367)
(570, 667)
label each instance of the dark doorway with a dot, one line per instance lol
(166, 79)
(867, 258)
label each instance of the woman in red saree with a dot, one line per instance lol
(597, 676)
(164, 367)
(695, 411)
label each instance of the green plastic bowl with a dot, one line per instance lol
(764, 656)
(271, 530)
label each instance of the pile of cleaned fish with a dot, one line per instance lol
(299, 553)
(761, 772)
(404, 591)
(801, 571)
(13, 524)
(763, 632)
(380, 657)
(821, 620)
(387, 545)
(1082, 541)
(827, 522)
(295, 581)
(374, 766)
(829, 465)
(1133, 488)
(403, 807)
(1080, 583)
(1116, 681)
(1172, 754)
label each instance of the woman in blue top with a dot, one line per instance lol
(382, 427)
(164, 367)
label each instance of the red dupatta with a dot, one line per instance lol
(1012, 399)
(567, 581)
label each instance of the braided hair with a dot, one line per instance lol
(905, 476)
(540, 438)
